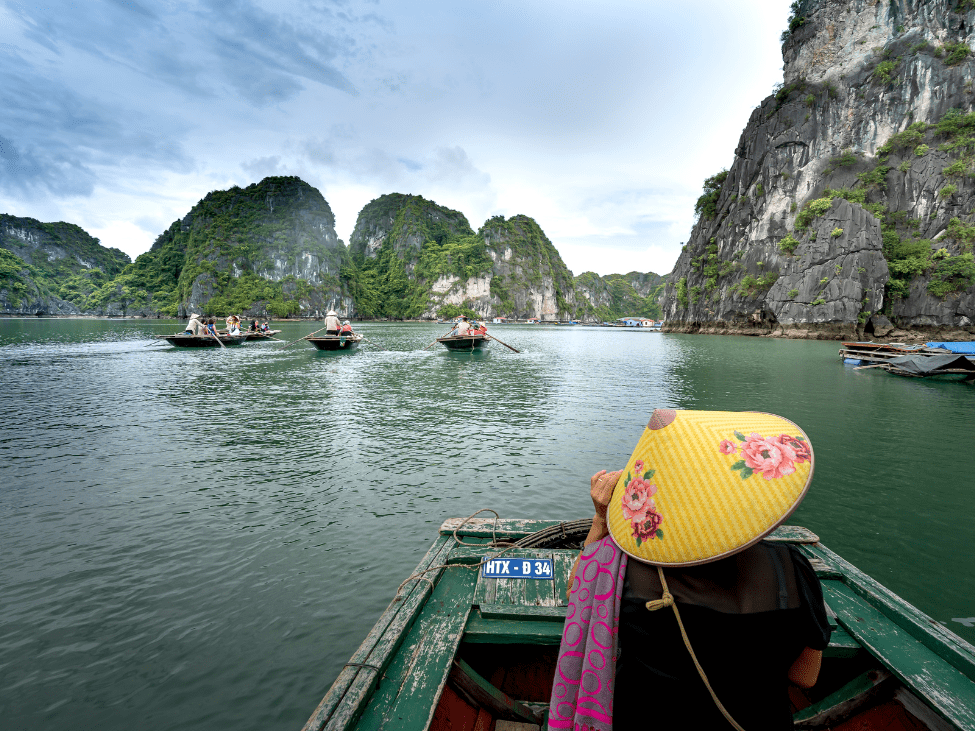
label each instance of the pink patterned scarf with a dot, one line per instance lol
(582, 694)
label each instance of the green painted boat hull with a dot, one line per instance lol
(460, 651)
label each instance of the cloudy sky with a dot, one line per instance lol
(599, 120)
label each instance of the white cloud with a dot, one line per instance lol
(598, 120)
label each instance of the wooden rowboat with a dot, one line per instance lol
(462, 652)
(464, 342)
(201, 341)
(335, 342)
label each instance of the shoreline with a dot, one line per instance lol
(825, 331)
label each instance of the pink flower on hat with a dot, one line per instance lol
(772, 457)
(636, 499)
(648, 527)
(798, 445)
(638, 466)
(727, 447)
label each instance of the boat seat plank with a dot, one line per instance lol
(921, 669)
(516, 612)
(524, 631)
(408, 691)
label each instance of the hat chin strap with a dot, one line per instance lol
(667, 600)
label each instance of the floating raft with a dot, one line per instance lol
(463, 652)
(464, 342)
(335, 342)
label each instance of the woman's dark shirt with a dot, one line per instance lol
(748, 618)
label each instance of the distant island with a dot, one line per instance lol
(270, 250)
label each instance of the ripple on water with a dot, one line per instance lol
(201, 539)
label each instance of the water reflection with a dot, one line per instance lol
(200, 539)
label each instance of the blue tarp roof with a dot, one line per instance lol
(960, 347)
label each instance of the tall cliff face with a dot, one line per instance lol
(50, 268)
(849, 202)
(414, 258)
(267, 249)
(606, 298)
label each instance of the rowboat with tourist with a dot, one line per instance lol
(181, 340)
(464, 342)
(456, 649)
(335, 342)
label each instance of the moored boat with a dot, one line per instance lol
(464, 342)
(335, 342)
(458, 650)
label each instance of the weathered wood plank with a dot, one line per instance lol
(487, 696)
(507, 528)
(540, 592)
(522, 632)
(515, 612)
(486, 591)
(842, 644)
(354, 682)
(945, 688)
(792, 534)
(840, 705)
(411, 685)
(564, 560)
(942, 641)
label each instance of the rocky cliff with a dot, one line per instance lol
(606, 298)
(414, 258)
(50, 268)
(848, 208)
(269, 249)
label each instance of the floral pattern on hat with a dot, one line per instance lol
(638, 505)
(773, 457)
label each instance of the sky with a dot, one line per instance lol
(599, 120)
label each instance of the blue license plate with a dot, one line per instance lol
(517, 568)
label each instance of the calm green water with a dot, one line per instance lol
(201, 539)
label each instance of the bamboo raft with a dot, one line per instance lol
(461, 652)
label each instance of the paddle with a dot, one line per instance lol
(303, 338)
(504, 344)
(442, 336)
(217, 339)
(380, 346)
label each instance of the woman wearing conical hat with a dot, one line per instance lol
(680, 615)
(332, 324)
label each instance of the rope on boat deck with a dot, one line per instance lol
(419, 575)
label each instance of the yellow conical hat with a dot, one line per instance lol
(702, 485)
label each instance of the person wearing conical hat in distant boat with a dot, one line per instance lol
(461, 328)
(194, 326)
(679, 613)
(331, 323)
(233, 325)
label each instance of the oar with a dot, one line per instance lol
(380, 346)
(303, 338)
(442, 336)
(217, 339)
(504, 344)
(878, 365)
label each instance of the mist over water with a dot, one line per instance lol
(199, 539)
